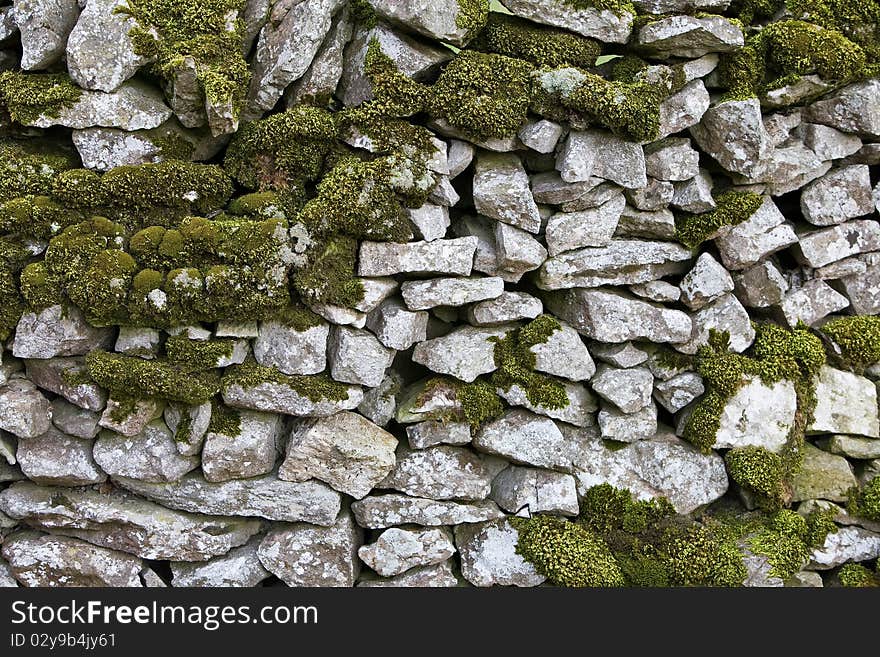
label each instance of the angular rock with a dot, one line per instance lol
(281, 398)
(150, 456)
(593, 227)
(602, 24)
(841, 194)
(465, 353)
(396, 327)
(508, 307)
(655, 196)
(811, 302)
(724, 314)
(525, 491)
(733, 133)
(679, 391)
(422, 295)
(627, 427)
(62, 376)
(345, 450)
(541, 136)
(526, 438)
(688, 36)
(851, 446)
(694, 195)
(822, 476)
(501, 191)
(26, 412)
(581, 403)
(73, 420)
(381, 511)
(439, 575)
(847, 544)
(57, 331)
(609, 316)
(707, 281)
(453, 256)
(134, 106)
(265, 496)
(517, 252)
(590, 153)
(56, 459)
(489, 557)
(749, 242)
(432, 432)
(853, 109)
(398, 550)
(430, 221)
(321, 79)
(379, 404)
(100, 52)
(290, 349)
(821, 247)
(442, 473)
(863, 289)
(137, 341)
(564, 355)
(42, 560)
(829, 143)
(620, 262)
(248, 450)
(189, 424)
(443, 20)
(129, 417)
(239, 567)
(305, 555)
(125, 522)
(356, 356)
(672, 159)
(846, 403)
(44, 26)
(286, 47)
(758, 414)
(683, 109)
(628, 389)
(760, 286)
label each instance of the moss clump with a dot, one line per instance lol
(858, 20)
(39, 288)
(209, 33)
(282, 150)
(329, 275)
(568, 554)
(11, 305)
(516, 363)
(788, 540)
(316, 388)
(866, 502)
(619, 7)
(783, 51)
(629, 109)
(264, 204)
(224, 420)
(298, 317)
(748, 10)
(472, 15)
(700, 557)
(542, 46)
(39, 217)
(198, 354)
(29, 168)
(363, 13)
(479, 403)
(855, 575)
(760, 472)
(858, 338)
(130, 375)
(27, 97)
(732, 207)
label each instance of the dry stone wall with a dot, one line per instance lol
(447, 293)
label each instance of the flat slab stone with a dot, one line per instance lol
(381, 511)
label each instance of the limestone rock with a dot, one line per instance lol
(57, 331)
(501, 191)
(453, 256)
(150, 456)
(345, 450)
(851, 544)
(567, 231)
(239, 567)
(281, 398)
(26, 412)
(249, 450)
(441, 20)
(759, 415)
(125, 522)
(683, 109)
(442, 473)
(526, 438)
(264, 496)
(42, 560)
(841, 194)
(679, 391)
(290, 349)
(489, 557)
(687, 36)
(821, 247)
(853, 109)
(590, 153)
(129, 417)
(56, 459)
(73, 420)
(822, 476)
(422, 295)
(356, 356)
(707, 281)
(602, 24)
(398, 550)
(439, 575)
(189, 424)
(508, 307)
(62, 376)
(628, 427)
(760, 285)
(762, 234)
(672, 159)
(322, 77)
(432, 432)
(465, 353)
(44, 26)
(811, 302)
(733, 133)
(381, 511)
(529, 490)
(305, 555)
(724, 314)
(846, 403)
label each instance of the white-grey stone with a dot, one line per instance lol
(381, 511)
(345, 450)
(655, 196)
(430, 221)
(73, 420)
(847, 544)
(53, 375)
(398, 550)
(379, 404)
(442, 473)
(526, 491)
(624, 354)
(592, 227)
(501, 191)
(627, 427)
(853, 109)
(822, 247)
(679, 391)
(189, 423)
(672, 159)
(283, 398)
(597, 153)
(541, 136)
(628, 389)
(249, 452)
(659, 291)
(150, 456)
(526, 438)
(129, 417)
(489, 556)
(57, 331)
(829, 143)
(863, 289)
(724, 314)
(56, 459)
(846, 403)
(517, 252)
(689, 36)
(602, 24)
(579, 410)
(465, 353)
(26, 412)
(137, 341)
(707, 281)
(758, 414)
(425, 294)
(811, 302)
(395, 326)
(694, 195)
(508, 307)
(452, 256)
(443, 20)
(44, 26)
(748, 242)
(436, 576)
(239, 567)
(683, 109)
(291, 350)
(840, 194)
(319, 82)
(733, 133)
(433, 432)
(822, 476)
(357, 356)
(760, 286)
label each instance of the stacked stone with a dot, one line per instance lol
(392, 483)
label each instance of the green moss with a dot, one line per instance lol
(265, 204)
(329, 275)
(224, 420)
(700, 557)
(29, 96)
(858, 20)
(298, 317)
(479, 403)
(39, 288)
(785, 50)
(542, 46)
(760, 472)
(732, 207)
(316, 388)
(788, 540)
(125, 406)
(363, 13)
(515, 361)
(472, 15)
(29, 167)
(282, 150)
(172, 144)
(127, 375)
(866, 502)
(39, 217)
(210, 32)
(855, 575)
(629, 109)
(101, 290)
(11, 305)
(568, 554)
(858, 338)
(748, 10)
(198, 354)
(606, 509)
(619, 7)
(79, 188)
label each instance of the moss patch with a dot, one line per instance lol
(866, 502)
(27, 96)
(315, 388)
(732, 208)
(858, 338)
(760, 472)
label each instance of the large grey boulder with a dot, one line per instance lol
(733, 133)
(841, 194)
(150, 455)
(44, 26)
(57, 331)
(56, 459)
